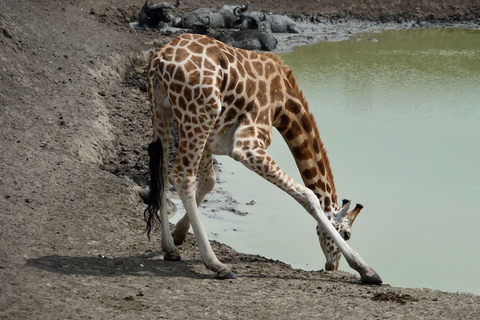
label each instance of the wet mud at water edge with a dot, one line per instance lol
(72, 215)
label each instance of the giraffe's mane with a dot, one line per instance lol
(293, 82)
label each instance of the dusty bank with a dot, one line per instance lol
(73, 163)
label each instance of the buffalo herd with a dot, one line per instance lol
(253, 29)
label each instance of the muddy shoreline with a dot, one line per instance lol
(74, 140)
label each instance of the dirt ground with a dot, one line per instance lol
(73, 166)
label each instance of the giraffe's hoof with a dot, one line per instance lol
(172, 256)
(228, 275)
(371, 279)
(177, 238)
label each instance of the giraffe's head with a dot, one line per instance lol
(342, 220)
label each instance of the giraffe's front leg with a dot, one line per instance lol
(259, 161)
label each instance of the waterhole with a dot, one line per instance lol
(399, 114)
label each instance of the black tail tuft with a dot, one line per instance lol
(155, 152)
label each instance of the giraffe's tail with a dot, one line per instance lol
(155, 152)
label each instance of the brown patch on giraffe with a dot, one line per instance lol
(239, 89)
(293, 106)
(180, 55)
(183, 43)
(224, 83)
(230, 57)
(276, 89)
(195, 48)
(209, 65)
(176, 87)
(320, 185)
(294, 132)
(321, 167)
(239, 103)
(250, 87)
(187, 93)
(197, 61)
(241, 69)
(247, 132)
(207, 91)
(310, 173)
(223, 62)
(196, 93)
(230, 115)
(248, 67)
(233, 79)
(207, 81)
(307, 124)
(269, 69)
(264, 117)
(258, 66)
(327, 204)
(261, 93)
(168, 53)
(170, 68)
(316, 147)
(192, 107)
(229, 99)
(302, 152)
(204, 41)
(284, 122)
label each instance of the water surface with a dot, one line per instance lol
(399, 114)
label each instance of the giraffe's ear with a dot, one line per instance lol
(354, 213)
(343, 210)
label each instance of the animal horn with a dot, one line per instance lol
(343, 210)
(354, 213)
(237, 11)
(244, 7)
(175, 6)
(207, 21)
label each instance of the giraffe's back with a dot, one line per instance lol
(201, 75)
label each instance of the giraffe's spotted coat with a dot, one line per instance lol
(226, 101)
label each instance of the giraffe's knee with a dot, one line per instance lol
(181, 181)
(238, 155)
(207, 183)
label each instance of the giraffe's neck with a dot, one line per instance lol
(297, 126)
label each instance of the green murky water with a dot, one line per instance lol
(399, 113)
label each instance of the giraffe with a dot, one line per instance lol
(226, 101)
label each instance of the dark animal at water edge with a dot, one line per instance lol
(220, 18)
(270, 23)
(153, 13)
(250, 40)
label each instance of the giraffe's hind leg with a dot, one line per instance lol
(162, 123)
(183, 178)
(206, 182)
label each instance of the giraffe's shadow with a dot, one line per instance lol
(152, 265)
(139, 265)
